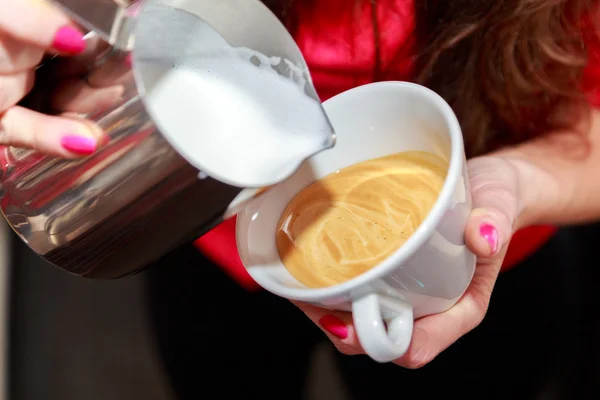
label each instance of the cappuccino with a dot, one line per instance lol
(350, 221)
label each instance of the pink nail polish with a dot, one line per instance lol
(69, 40)
(79, 144)
(335, 326)
(490, 234)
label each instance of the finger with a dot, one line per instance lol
(75, 95)
(434, 334)
(39, 23)
(16, 57)
(490, 225)
(337, 325)
(59, 136)
(79, 64)
(13, 88)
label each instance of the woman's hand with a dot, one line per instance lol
(496, 201)
(29, 29)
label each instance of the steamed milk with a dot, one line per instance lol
(350, 221)
(228, 111)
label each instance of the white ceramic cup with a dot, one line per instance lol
(431, 271)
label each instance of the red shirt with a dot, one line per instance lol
(338, 44)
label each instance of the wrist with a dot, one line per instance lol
(536, 189)
(527, 193)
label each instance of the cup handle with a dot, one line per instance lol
(381, 344)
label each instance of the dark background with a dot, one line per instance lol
(74, 339)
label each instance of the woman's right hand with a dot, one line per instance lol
(30, 29)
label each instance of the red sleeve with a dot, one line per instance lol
(591, 75)
(219, 246)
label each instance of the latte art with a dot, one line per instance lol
(352, 220)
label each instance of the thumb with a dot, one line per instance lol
(488, 231)
(494, 190)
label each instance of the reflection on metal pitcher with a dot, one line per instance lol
(114, 212)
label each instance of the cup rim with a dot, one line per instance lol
(425, 229)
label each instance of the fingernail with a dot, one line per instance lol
(79, 144)
(335, 326)
(69, 40)
(490, 234)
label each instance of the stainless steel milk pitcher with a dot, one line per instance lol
(111, 214)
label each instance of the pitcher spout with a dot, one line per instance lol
(236, 104)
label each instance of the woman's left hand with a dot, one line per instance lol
(497, 205)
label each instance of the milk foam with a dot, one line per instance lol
(232, 115)
(354, 219)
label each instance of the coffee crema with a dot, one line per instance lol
(350, 221)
